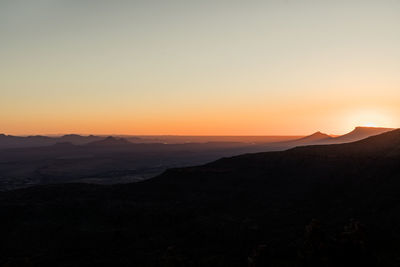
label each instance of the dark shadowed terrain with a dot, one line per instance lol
(325, 205)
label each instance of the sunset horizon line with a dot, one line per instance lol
(193, 135)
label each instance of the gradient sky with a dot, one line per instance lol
(198, 67)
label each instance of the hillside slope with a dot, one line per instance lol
(217, 214)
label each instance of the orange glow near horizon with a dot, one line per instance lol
(246, 123)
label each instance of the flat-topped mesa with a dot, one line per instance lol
(373, 129)
(362, 132)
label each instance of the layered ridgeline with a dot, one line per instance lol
(317, 138)
(239, 211)
(10, 141)
(111, 160)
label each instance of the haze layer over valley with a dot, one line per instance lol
(34, 160)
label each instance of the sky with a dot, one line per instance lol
(286, 67)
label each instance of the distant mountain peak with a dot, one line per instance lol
(319, 134)
(71, 135)
(111, 141)
(316, 136)
(112, 138)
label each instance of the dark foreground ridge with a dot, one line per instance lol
(328, 205)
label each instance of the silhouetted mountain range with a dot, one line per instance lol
(110, 141)
(231, 212)
(9, 141)
(74, 158)
(78, 139)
